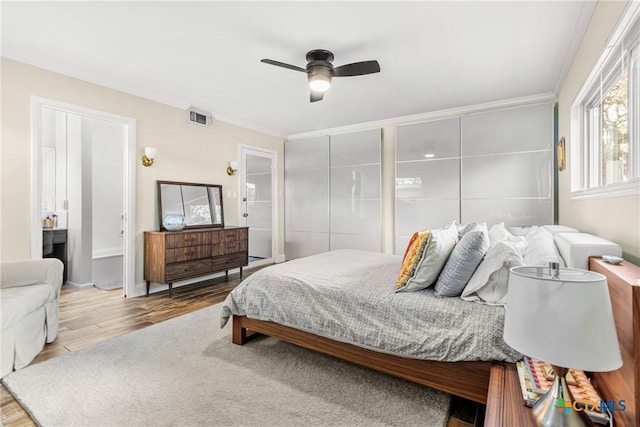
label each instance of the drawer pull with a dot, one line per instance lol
(190, 253)
(191, 239)
(187, 269)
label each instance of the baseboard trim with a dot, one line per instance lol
(79, 286)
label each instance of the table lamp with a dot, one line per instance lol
(561, 316)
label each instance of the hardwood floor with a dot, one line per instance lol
(93, 315)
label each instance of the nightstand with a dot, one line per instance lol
(505, 406)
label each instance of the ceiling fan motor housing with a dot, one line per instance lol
(319, 55)
(319, 68)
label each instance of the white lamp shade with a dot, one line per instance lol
(567, 321)
(150, 152)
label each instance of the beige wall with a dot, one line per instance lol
(614, 218)
(186, 152)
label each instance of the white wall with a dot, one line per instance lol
(614, 218)
(186, 152)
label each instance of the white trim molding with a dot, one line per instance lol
(623, 189)
(243, 150)
(129, 244)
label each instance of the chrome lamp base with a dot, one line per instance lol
(549, 410)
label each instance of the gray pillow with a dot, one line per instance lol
(462, 263)
(467, 228)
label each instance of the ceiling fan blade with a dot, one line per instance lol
(316, 96)
(357, 69)
(283, 65)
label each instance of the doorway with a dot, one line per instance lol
(258, 202)
(83, 186)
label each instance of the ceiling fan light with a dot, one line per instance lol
(319, 83)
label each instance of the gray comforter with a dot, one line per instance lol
(349, 296)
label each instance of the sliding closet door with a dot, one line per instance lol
(355, 191)
(427, 177)
(507, 161)
(306, 197)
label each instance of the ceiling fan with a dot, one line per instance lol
(320, 70)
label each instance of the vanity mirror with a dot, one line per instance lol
(201, 204)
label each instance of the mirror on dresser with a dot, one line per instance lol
(201, 204)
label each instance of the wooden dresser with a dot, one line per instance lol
(170, 256)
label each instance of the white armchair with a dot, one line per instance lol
(29, 292)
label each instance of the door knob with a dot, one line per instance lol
(245, 214)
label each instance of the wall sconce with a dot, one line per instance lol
(562, 155)
(149, 155)
(232, 168)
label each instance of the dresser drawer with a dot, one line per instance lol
(234, 235)
(228, 247)
(226, 262)
(187, 269)
(216, 236)
(233, 247)
(182, 239)
(188, 253)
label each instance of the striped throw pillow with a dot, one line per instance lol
(412, 256)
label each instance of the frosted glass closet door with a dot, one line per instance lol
(306, 197)
(259, 206)
(507, 162)
(355, 191)
(427, 177)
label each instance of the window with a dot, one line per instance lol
(614, 147)
(605, 120)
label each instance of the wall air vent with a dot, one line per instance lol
(199, 117)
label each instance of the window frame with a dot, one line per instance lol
(621, 54)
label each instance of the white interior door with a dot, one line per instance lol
(47, 200)
(257, 189)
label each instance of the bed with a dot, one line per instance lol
(299, 302)
(327, 296)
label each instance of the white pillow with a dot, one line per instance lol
(519, 231)
(489, 283)
(443, 240)
(497, 233)
(541, 248)
(459, 227)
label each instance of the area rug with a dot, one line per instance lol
(186, 372)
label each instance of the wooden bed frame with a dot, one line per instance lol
(471, 379)
(467, 379)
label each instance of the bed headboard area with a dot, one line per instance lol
(624, 383)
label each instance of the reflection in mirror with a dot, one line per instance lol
(196, 205)
(201, 204)
(171, 199)
(48, 181)
(215, 197)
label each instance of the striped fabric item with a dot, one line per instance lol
(412, 256)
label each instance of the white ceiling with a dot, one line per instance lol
(433, 55)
